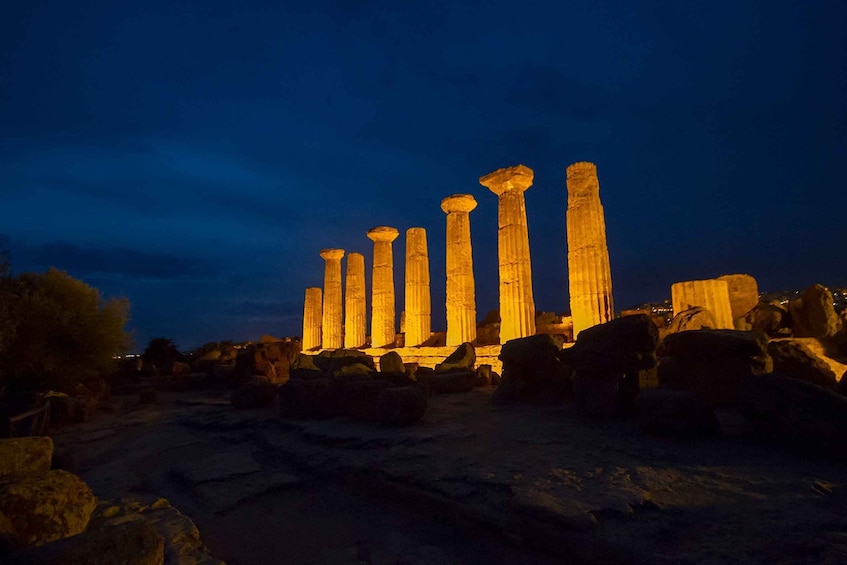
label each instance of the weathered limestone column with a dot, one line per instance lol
(711, 294)
(418, 303)
(461, 292)
(312, 319)
(332, 316)
(743, 293)
(383, 313)
(355, 313)
(517, 307)
(589, 270)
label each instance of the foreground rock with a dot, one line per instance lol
(695, 318)
(795, 360)
(255, 393)
(25, 455)
(713, 363)
(675, 413)
(44, 507)
(532, 372)
(608, 360)
(794, 414)
(462, 359)
(401, 406)
(813, 314)
(770, 318)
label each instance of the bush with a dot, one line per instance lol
(60, 333)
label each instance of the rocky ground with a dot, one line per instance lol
(471, 482)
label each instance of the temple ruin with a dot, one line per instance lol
(589, 269)
(517, 307)
(332, 324)
(461, 293)
(355, 312)
(711, 294)
(312, 319)
(383, 313)
(417, 321)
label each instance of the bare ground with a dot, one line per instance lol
(472, 482)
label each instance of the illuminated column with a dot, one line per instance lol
(589, 270)
(461, 294)
(383, 312)
(312, 319)
(418, 311)
(332, 317)
(355, 313)
(517, 307)
(711, 294)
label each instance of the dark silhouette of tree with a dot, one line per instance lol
(61, 331)
(161, 353)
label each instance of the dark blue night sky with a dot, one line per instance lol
(196, 156)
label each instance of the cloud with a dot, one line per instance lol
(120, 261)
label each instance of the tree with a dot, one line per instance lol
(63, 333)
(161, 353)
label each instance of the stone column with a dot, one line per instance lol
(332, 313)
(517, 307)
(589, 270)
(383, 331)
(312, 319)
(355, 313)
(461, 292)
(418, 313)
(743, 293)
(711, 294)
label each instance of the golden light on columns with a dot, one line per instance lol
(418, 313)
(711, 294)
(312, 309)
(589, 270)
(355, 312)
(461, 291)
(517, 307)
(332, 313)
(383, 327)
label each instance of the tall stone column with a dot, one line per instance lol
(461, 292)
(517, 307)
(312, 319)
(589, 270)
(711, 294)
(383, 313)
(418, 311)
(355, 313)
(332, 313)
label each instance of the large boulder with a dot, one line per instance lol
(313, 398)
(770, 318)
(330, 361)
(813, 313)
(694, 318)
(391, 362)
(794, 414)
(401, 406)
(360, 399)
(46, 506)
(532, 372)
(463, 358)
(255, 393)
(795, 360)
(675, 413)
(743, 293)
(25, 455)
(457, 380)
(608, 360)
(712, 363)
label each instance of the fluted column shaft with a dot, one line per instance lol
(461, 289)
(711, 294)
(355, 311)
(383, 316)
(312, 319)
(418, 302)
(589, 269)
(332, 307)
(517, 306)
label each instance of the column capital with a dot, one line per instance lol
(458, 203)
(383, 233)
(329, 254)
(504, 180)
